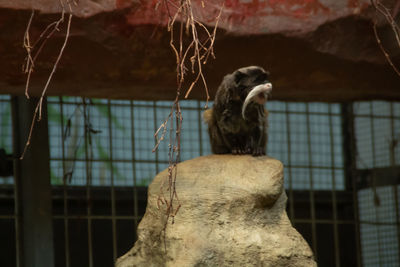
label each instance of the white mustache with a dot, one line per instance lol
(264, 88)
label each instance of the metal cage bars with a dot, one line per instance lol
(293, 165)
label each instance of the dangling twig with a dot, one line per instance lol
(196, 53)
(30, 61)
(385, 12)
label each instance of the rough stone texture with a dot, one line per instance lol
(239, 16)
(294, 17)
(232, 214)
(82, 8)
(315, 50)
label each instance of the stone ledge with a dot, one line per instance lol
(232, 214)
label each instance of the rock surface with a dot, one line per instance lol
(238, 16)
(232, 214)
(316, 50)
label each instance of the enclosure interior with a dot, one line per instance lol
(341, 167)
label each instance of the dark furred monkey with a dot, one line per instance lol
(237, 123)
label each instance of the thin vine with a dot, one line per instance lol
(34, 50)
(188, 57)
(382, 10)
(195, 54)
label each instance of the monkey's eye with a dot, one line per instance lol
(239, 76)
(261, 79)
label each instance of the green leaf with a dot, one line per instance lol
(53, 113)
(103, 110)
(102, 152)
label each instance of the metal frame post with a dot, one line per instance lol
(34, 186)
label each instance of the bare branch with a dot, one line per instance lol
(27, 45)
(385, 12)
(195, 53)
(55, 65)
(385, 53)
(30, 61)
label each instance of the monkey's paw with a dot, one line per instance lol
(240, 151)
(258, 151)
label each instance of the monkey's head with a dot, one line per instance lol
(253, 86)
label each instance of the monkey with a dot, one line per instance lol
(237, 122)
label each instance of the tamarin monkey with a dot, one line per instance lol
(237, 122)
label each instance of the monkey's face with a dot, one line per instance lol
(253, 86)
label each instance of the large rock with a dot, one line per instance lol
(232, 214)
(241, 17)
(316, 50)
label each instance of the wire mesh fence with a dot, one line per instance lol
(101, 161)
(377, 127)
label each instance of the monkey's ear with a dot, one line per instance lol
(238, 75)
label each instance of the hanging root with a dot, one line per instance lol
(195, 54)
(34, 50)
(382, 10)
